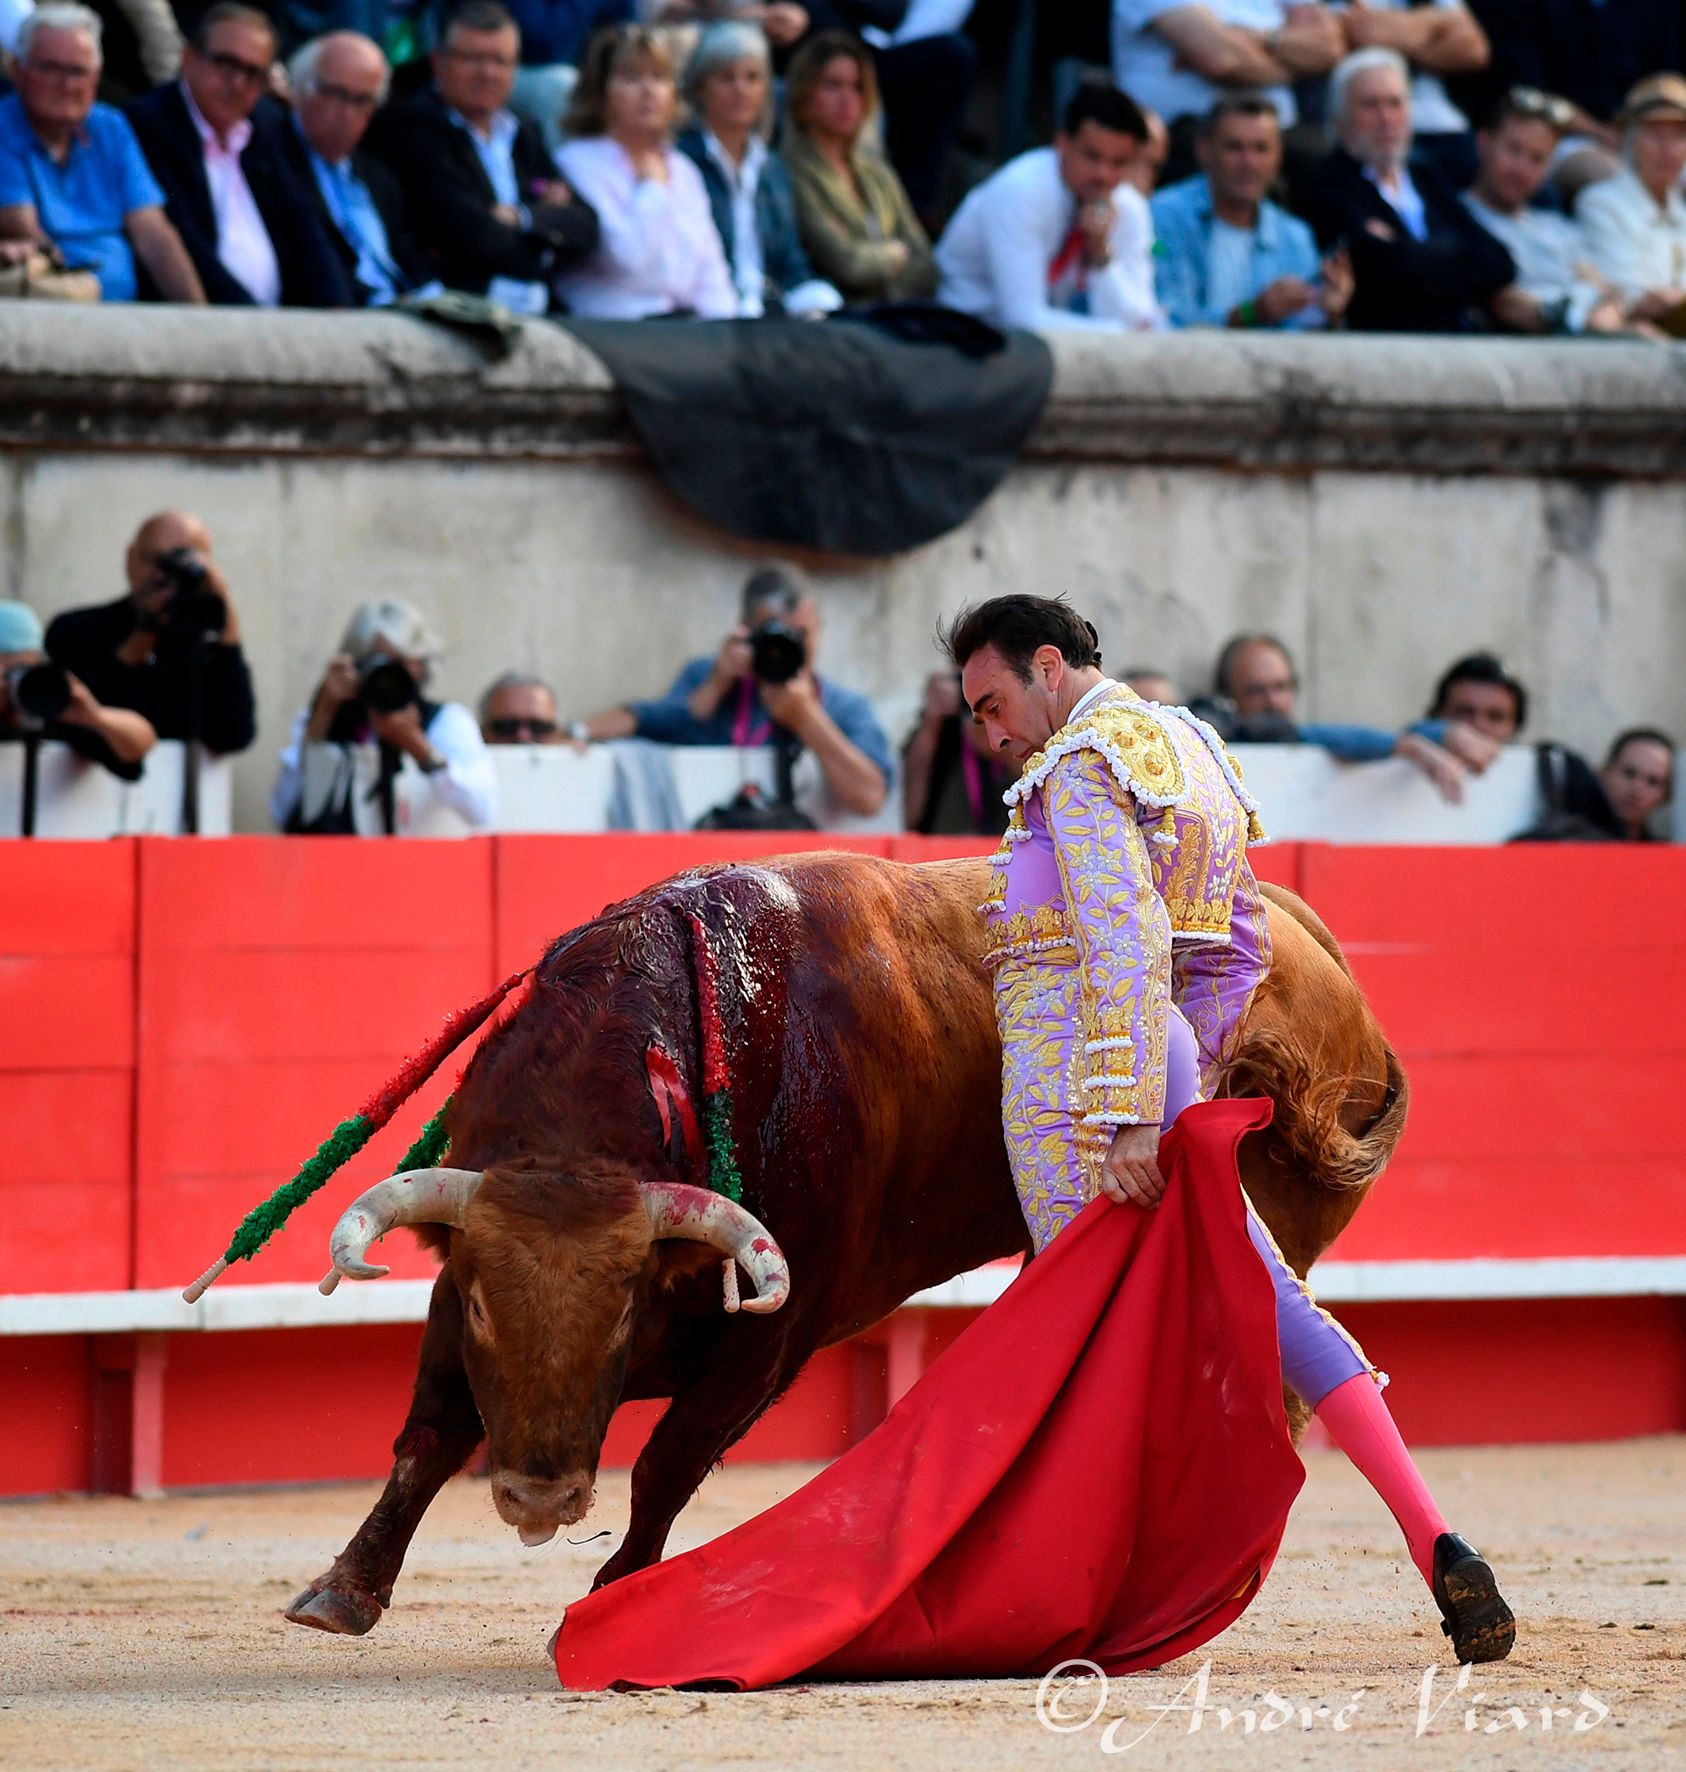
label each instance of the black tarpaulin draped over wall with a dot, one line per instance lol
(863, 434)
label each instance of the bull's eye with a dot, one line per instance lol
(477, 1313)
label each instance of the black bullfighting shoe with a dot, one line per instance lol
(1473, 1613)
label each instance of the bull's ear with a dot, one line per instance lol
(680, 1133)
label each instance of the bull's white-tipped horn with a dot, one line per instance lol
(417, 1196)
(677, 1210)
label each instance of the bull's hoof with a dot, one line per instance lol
(327, 1608)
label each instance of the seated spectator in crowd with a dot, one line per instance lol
(952, 782)
(72, 175)
(1256, 691)
(1150, 158)
(658, 251)
(1422, 262)
(519, 709)
(741, 696)
(1556, 289)
(38, 700)
(480, 190)
(1478, 692)
(1638, 780)
(170, 649)
(728, 84)
(857, 223)
(250, 229)
(338, 83)
(1634, 224)
(1436, 37)
(1181, 58)
(1150, 685)
(924, 67)
(374, 691)
(1227, 255)
(1058, 240)
(554, 34)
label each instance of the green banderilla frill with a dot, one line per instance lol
(723, 1175)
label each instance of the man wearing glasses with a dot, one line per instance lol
(480, 185)
(339, 81)
(72, 175)
(519, 709)
(252, 232)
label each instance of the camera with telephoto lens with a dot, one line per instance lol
(192, 606)
(777, 651)
(385, 684)
(39, 692)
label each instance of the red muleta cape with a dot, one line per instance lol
(1099, 1467)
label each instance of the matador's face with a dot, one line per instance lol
(1016, 714)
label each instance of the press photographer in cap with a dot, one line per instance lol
(170, 648)
(374, 691)
(41, 700)
(761, 688)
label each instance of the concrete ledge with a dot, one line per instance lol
(231, 383)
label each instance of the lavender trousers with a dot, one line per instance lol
(1317, 1353)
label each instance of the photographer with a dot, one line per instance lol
(760, 687)
(374, 692)
(170, 649)
(39, 700)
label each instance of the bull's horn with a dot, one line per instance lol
(677, 1210)
(417, 1196)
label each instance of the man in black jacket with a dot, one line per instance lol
(170, 649)
(339, 81)
(1421, 261)
(215, 145)
(479, 185)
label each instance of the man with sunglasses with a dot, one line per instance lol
(338, 82)
(215, 146)
(519, 709)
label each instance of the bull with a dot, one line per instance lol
(582, 1258)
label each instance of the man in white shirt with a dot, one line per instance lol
(1635, 222)
(1058, 240)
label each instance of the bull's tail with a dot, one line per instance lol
(350, 1136)
(1309, 1102)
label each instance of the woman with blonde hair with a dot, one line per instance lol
(658, 251)
(857, 222)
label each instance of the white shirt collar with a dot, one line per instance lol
(1094, 694)
(754, 157)
(238, 136)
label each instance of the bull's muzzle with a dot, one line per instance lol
(537, 1506)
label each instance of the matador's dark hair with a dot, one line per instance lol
(1016, 626)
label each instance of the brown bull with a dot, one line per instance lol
(865, 1102)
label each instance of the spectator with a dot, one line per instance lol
(856, 220)
(1182, 58)
(374, 691)
(72, 174)
(1058, 239)
(658, 251)
(728, 86)
(952, 782)
(1638, 779)
(519, 709)
(1227, 255)
(479, 186)
(1477, 691)
(1435, 37)
(1150, 685)
(1634, 224)
(924, 68)
(170, 649)
(1555, 290)
(742, 696)
(1149, 162)
(554, 34)
(38, 700)
(250, 229)
(1421, 260)
(338, 83)
(1257, 689)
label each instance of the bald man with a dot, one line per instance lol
(170, 648)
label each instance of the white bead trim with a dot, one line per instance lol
(1113, 1043)
(1109, 1080)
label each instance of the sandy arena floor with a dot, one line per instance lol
(148, 1634)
